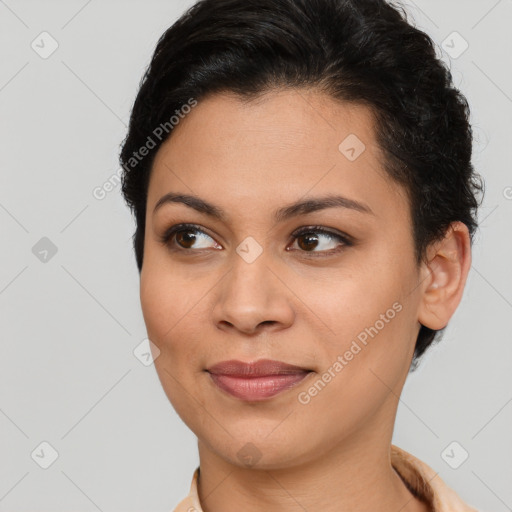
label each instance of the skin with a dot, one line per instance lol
(204, 303)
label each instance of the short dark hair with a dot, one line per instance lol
(360, 51)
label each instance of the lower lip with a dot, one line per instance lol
(257, 388)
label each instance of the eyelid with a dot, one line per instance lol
(345, 239)
(183, 226)
(324, 230)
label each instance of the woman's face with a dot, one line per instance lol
(245, 286)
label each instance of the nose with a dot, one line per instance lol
(251, 298)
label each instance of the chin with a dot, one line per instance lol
(262, 452)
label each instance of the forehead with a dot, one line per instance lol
(282, 146)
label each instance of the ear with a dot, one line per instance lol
(444, 276)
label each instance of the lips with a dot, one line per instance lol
(261, 368)
(256, 381)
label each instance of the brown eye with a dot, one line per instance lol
(188, 238)
(185, 239)
(310, 239)
(308, 243)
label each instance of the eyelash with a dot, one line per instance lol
(344, 239)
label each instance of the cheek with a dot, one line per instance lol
(157, 304)
(372, 319)
(173, 305)
(171, 315)
(361, 372)
(166, 293)
(348, 302)
(164, 305)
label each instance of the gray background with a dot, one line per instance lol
(69, 324)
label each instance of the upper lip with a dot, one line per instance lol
(255, 369)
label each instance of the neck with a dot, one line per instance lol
(353, 475)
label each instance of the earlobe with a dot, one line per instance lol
(444, 276)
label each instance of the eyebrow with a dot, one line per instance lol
(280, 215)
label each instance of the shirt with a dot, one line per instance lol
(420, 478)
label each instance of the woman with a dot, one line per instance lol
(300, 174)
